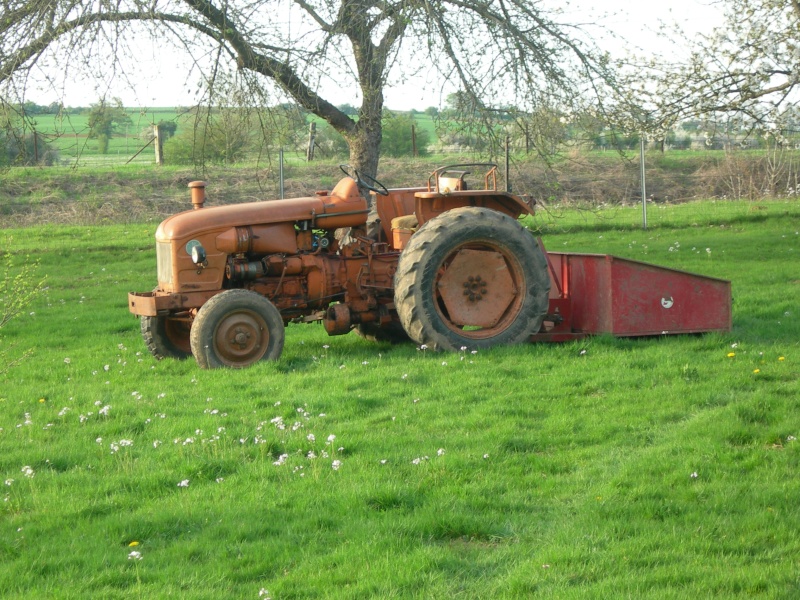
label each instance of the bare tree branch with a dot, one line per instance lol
(501, 53)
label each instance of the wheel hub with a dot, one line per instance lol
(477, 288)
(241, 338)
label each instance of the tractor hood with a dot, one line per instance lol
(255, 229)
(342, 207)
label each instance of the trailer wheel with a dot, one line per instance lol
(167, 338)
(236, 328)
(471, 277)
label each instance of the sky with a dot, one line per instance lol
(161, 75)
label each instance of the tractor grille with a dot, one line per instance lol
(164, 262)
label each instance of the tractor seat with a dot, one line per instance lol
(402, 230)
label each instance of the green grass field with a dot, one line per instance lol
(607, 468)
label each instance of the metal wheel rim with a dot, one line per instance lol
(516, 272)
(241, 338)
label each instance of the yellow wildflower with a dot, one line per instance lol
(731, 354)
(133, 543)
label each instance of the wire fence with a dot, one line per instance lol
(594, 190)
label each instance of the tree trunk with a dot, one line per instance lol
(365, 144)
(365, 149)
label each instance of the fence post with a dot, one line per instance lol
(312, 134)
(280, 172)
(413, 140)
(159, 145)
(508, 174)
(644, 187)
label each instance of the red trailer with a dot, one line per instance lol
(598, 293)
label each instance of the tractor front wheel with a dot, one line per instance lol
(471, 277)
(237, 328)
(167, 338)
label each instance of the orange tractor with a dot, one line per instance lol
(449, 266)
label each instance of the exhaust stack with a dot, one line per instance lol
(198, 194)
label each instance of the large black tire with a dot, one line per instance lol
(471, 277)
(167, 338)
(237, 328)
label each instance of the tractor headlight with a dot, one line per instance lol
(198, 254)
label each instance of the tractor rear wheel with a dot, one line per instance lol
(237, 328)
(471, 277)
(167, 338)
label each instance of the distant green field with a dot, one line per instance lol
(69, 134)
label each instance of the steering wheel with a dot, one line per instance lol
(365, 181)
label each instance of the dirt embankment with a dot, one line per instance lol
(670, 177)
(60, 195)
